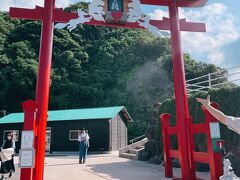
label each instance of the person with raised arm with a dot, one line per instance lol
(233, 123)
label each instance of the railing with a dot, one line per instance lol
(135, 139)
(213, 80)
(4, 112)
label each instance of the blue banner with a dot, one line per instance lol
(115, 5)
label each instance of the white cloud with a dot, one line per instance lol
(158, 14)
(222, 30)
(216, 57)
(5, 4)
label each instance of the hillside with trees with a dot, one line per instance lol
(92, 67)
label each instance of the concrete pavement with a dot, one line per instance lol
(102, 167)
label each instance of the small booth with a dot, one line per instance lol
(107, 128)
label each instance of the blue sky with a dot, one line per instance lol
(231, 4)
(219, 45)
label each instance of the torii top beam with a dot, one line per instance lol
(180, 3)
(37, 14)
(163, 24)
(160, 24)
(63, 17)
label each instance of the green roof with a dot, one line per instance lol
(73, 114)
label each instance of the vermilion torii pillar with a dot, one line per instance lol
(48, 15)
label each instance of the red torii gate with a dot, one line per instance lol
(211, 157)
(49, 14)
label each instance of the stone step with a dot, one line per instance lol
(132, 151)
(128, 155)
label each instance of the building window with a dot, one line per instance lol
(15, 134)
(73, 135)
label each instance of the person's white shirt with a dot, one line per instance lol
(233, 123)
(83, 137)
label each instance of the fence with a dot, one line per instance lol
(213, 80)
(210, 157)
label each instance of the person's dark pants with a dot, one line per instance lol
(83, 152)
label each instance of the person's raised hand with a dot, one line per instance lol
(204, 102)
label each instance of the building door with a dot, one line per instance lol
(48, 140)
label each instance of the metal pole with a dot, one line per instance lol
(209, 81)
(43, 85)
(182, 112)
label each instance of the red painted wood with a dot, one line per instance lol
(192, 3)
(33, 14)
(215, 159)
(180, 3)
(199, 128)
(43, 83)
(160, 24)
(156, 2)
(174, 154)
(29, 108)
(181, 101)
(172, 130)
(164, 24)
(191, 141)
(165, 118)
(202, 157)
(47, 15)
(63, 17)
(37, 14)
(210, 157)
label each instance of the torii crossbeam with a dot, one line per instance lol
(49, 14)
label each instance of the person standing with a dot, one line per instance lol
(83, 145)
(7, 156)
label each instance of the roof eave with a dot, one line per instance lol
(127, 115)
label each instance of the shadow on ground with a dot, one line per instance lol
(126, 170)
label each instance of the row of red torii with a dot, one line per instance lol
(111, 13)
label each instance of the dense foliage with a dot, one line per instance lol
(92, 67)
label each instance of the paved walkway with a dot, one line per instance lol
(102, 167)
